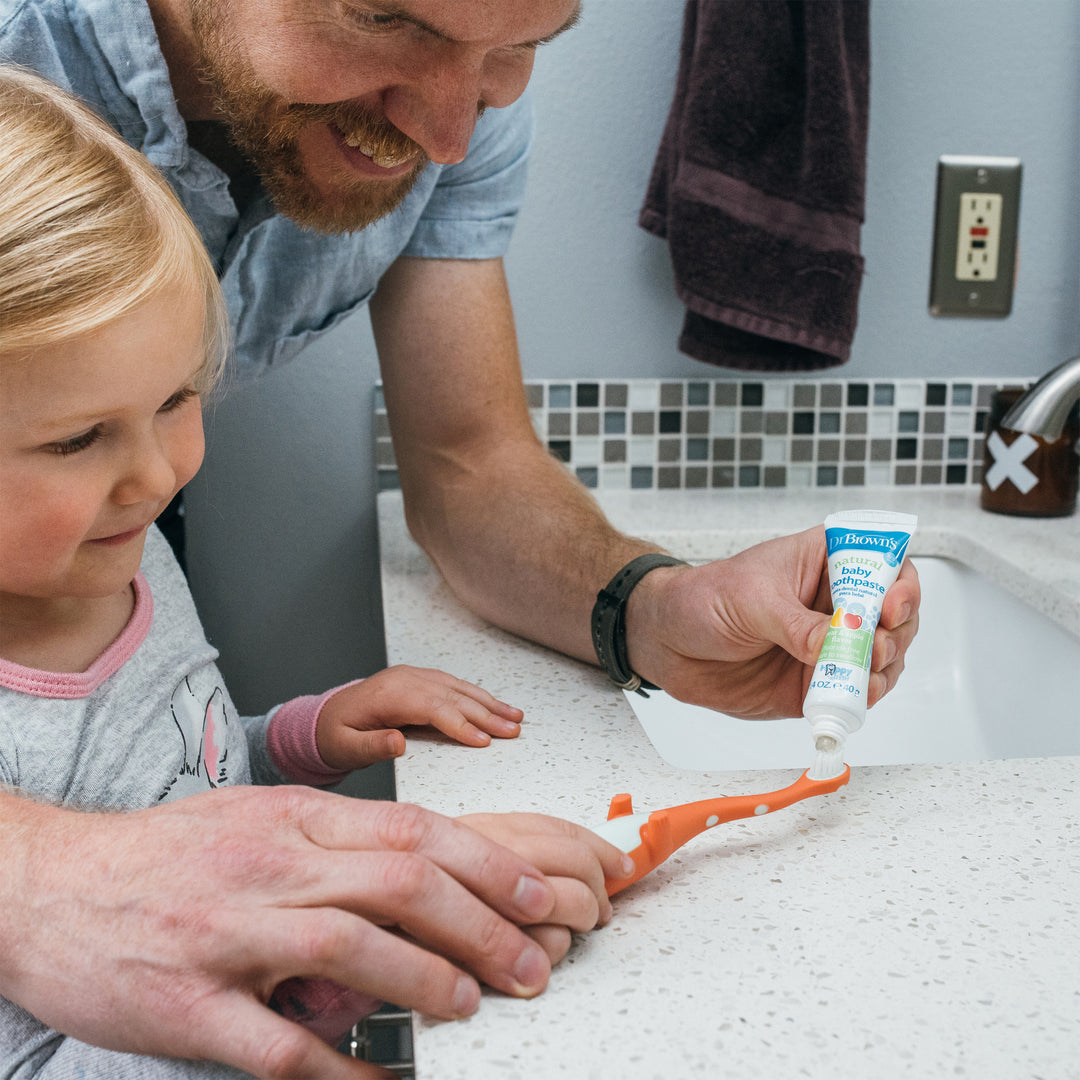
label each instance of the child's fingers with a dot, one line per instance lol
(358, 749)
(469, 720)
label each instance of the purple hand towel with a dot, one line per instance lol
(760, 180)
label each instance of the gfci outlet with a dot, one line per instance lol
(974, 264)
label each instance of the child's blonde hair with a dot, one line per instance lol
(88, 229)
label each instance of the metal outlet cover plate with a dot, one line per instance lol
(961, 181)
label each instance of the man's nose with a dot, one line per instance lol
(440, 107)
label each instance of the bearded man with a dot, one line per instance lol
(326, 149)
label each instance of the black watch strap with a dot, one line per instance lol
(609, 619)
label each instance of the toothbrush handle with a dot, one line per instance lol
(651, 840)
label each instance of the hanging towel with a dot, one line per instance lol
(759, 182)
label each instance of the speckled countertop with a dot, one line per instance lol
(923, 921)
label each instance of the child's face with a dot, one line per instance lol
(97, 434)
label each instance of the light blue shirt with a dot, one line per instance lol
(284, 286)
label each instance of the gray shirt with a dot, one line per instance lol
(149, 721)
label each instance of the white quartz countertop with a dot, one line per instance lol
(923, 921)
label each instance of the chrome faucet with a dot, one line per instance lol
(1045, 407)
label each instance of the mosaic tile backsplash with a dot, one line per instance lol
(727, 433)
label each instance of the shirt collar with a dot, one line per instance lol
(124, 34)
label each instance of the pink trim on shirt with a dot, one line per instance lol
(290, 738)
(80, 684)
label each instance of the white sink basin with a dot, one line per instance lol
(987, 677)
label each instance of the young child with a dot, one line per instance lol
(112, 328)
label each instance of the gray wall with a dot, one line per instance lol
(281, 521)
(593, 292)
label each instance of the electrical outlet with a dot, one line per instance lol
(975, 236)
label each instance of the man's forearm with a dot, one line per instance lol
(517, 537)
(524, 545)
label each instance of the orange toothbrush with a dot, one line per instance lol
(649, 839)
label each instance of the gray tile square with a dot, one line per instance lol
(775, 476)
(854, 476)
(697, 393)
(752, 422)
(904, 474)
(881, 449)
(558, 423)
(749, 476)
(776, 423)
(831, 396)
(932, 449)
(668, 477)
(828, 450)
(560, 396)
(934, 422)
(723, 450)
(723, 476)
(854, 449)
(534, 395)
(804, 395)
(642, 423)
(829, 423)
(668, 450)
(725, 393)
(697, 422)
(588, 423)
(749, 450)
(696, 476)
(614, 450)
(855, 423)
(671, 395)
(802, 450)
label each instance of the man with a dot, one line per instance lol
(370, 143)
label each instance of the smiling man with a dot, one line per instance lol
(327, 149)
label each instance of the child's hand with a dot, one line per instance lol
(357, 725)
(575, 862)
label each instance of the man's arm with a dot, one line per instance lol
(164, 931)
(525, 545)
(516, 537)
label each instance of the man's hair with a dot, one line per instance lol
(88, 228)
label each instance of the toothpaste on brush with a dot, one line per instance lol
(865, 549)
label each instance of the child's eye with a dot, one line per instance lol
(80, 442)
(181, 397)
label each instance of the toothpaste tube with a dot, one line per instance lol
(865, 549)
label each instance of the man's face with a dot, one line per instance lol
(340, 104)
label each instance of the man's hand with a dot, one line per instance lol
(183, 918)
(742, 635)
(577, 863)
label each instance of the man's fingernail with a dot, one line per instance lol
(628, 866)
(466, 996)
(532, 896)
(531, 970)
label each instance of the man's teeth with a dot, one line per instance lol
(385, 161)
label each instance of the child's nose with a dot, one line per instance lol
(149, 477)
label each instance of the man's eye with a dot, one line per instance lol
(375, 20)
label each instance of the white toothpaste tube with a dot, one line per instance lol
(865, 549)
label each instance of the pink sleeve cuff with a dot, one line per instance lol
(290, 739)
(324, 1007)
